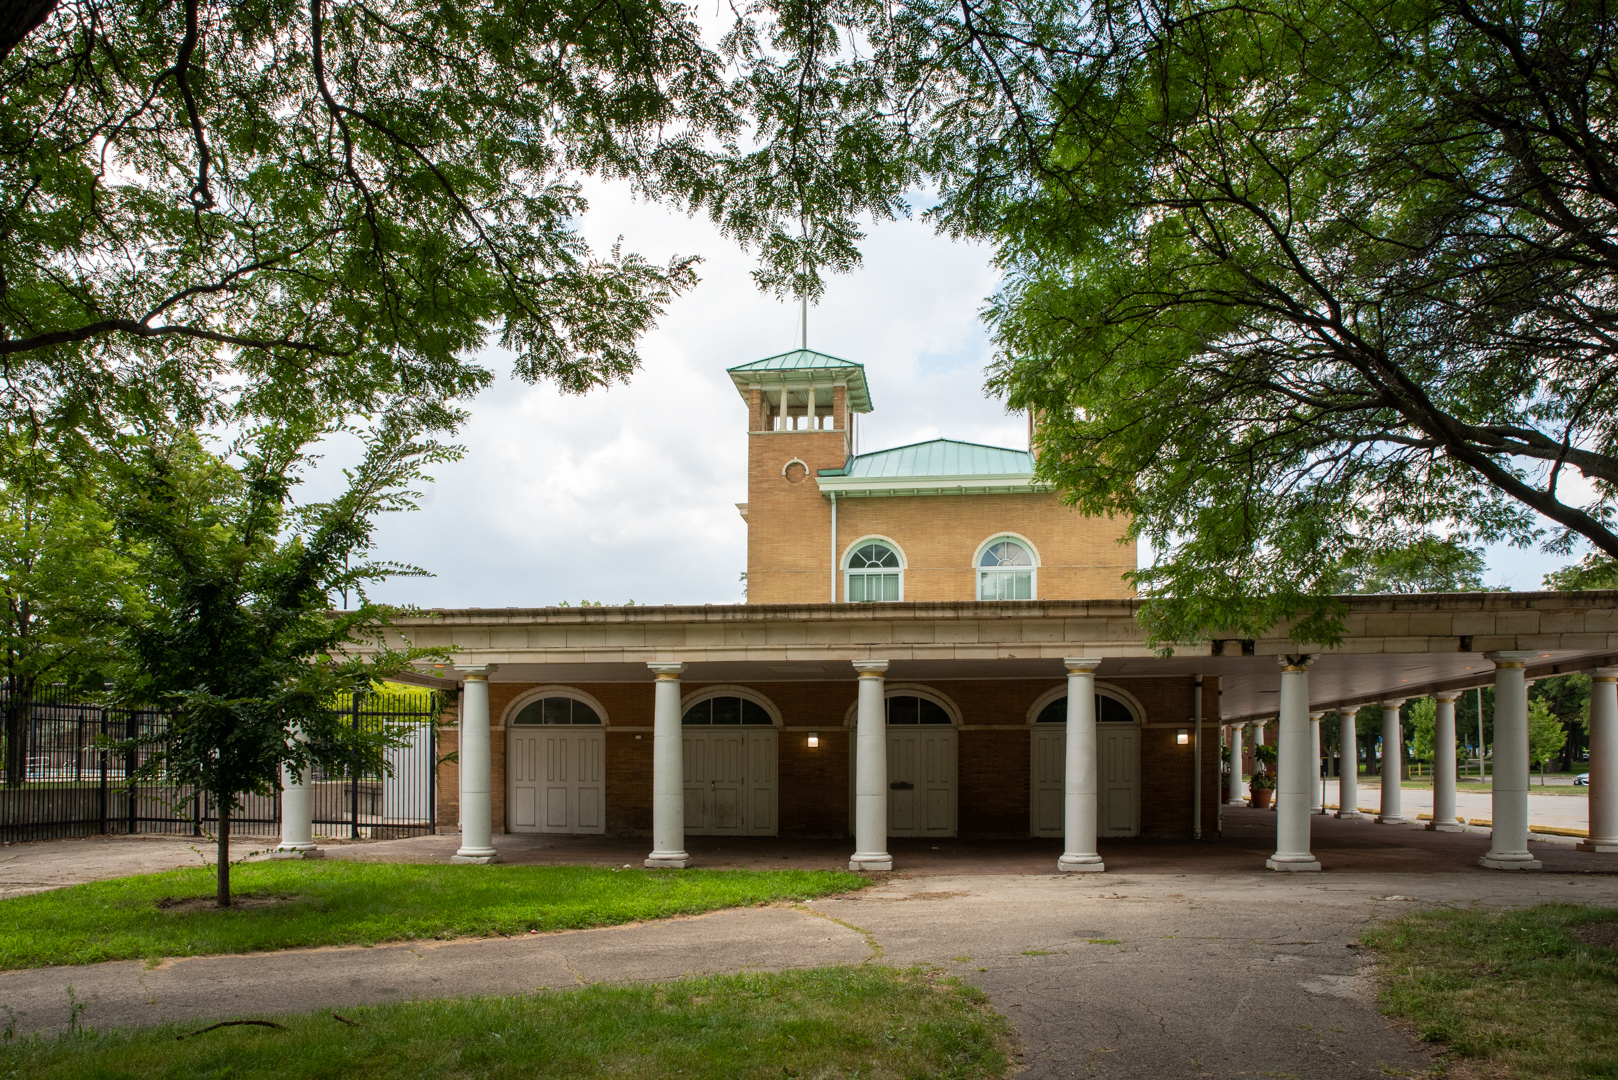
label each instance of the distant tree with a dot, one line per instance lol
(1425, 565)
(1568, 697)
(66, 579)
(1546, 735)
(1594, 571)
(242, 650)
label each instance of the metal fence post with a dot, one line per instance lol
(103, 752)
(131, 763)
(432, 767)
(354, 778)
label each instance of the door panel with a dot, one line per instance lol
(555, 779)
(1047, 779)
(923, 758)
(730, 781)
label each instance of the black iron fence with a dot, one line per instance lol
(66, 784)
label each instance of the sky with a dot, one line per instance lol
(629, 493)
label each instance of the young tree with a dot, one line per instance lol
(65, 578)
(1568, 697)
(1545, 733)
(242, 650)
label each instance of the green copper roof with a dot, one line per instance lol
(942, 457)
(801, 367)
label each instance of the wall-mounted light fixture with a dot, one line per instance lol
(814, 739)
(1182, 737)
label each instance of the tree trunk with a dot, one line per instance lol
(223, 895)
(19, 710)
(20, 19)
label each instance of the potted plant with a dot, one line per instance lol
(1224, 774)
(1263, 782)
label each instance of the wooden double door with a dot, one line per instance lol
(1117, 777)
(556, 779)
(730, 781)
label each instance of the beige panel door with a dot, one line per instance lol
(555, 778)
(1119, 766)
(730, 781)
(1047, 779)
(921, 781)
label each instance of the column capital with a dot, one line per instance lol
(870, 669)
(1392, 702)
(1448, 695)
(667, 671)
(477, 671)
(1316, 714)
(1081, 664)
(1604, 674)
(1295, 662)
(1510, 657)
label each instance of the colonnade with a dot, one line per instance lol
(1299, 791)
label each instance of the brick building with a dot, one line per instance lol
(933, 646)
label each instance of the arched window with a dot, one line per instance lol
(904, 709)
(727, 710)
(1109, 710)
(556, 710)
(1006, 572)
(874, 574)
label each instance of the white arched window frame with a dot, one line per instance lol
(1006, 567)
(539, 693)
(869, 575)
(1059, 693)
(723, 690)
(893, 690)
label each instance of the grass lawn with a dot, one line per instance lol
(291, 904)
(1532, 992)
(871, 1022)
(1533, 787)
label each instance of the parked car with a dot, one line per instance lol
(1582, 780)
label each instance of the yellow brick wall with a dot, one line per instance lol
(789, 551)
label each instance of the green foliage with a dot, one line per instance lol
(871, 1021)
(66, 578)
(1516, 989)
(1266, 754)
(334, 902)
(1546, 735)
(1594, 571)
(1264, 781)
(1426, 565)
(1284, 286)
(241, 650)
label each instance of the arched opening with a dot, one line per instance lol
(1006, 570)
(555, 748)
(730, 750)
(1118, 720)
(873, 572)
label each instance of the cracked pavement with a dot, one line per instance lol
(1117, 975)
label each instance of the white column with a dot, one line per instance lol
(1392, 755)
(1079, 853)
(1295, 779)
(1444, 764)
(1237, 795)
(1603, 761)
(871, 769)
(1348, 773)
(1508, 839)
(668, 771)
(811, 400)
(1317, 783)
(297, 817)
(477, 784)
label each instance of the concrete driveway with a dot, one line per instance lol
(1116, 975)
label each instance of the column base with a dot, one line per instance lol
(1497, 861)
(310, 852)
(1081, 864)
(1350, 815)
(1293, 864)
(476, 856)
(1607, 846)
(878, 860)
(667, 860)
(1444, 826)
(1380, 820)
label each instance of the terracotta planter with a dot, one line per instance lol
(1261, 798)
(1224, 793)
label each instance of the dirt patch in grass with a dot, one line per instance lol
(1603, 935)
(186, 905)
